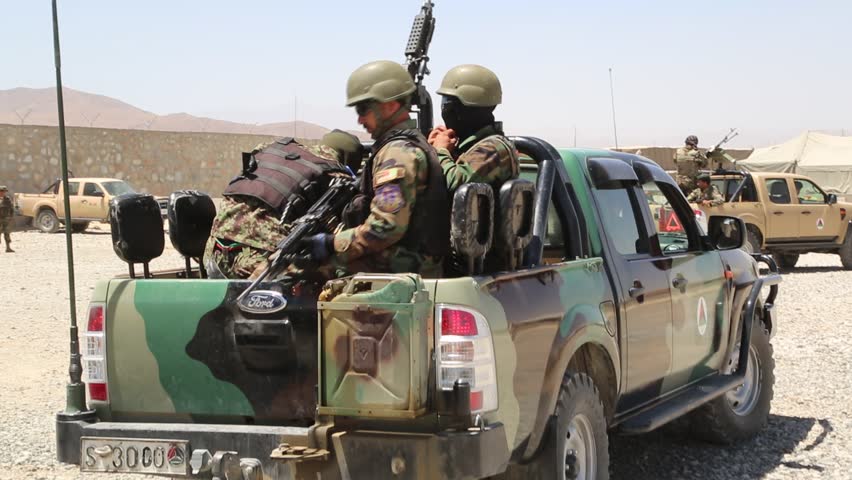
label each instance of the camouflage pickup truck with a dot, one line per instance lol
(786, 215)
(578, 320)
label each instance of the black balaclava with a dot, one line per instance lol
(463, 119)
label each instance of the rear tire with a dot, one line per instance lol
(845, 251)
(46, 221)
(741, 413)
(786, 260)
(577, 446)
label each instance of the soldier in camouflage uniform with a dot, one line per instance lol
(471, 146)
(403, 225)
(706, 194)
(689, 160)
(7, 212)
(247, 229)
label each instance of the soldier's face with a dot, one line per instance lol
(2, 193)
(703, 185)
(366, 112)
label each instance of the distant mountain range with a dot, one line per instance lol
(37, 106)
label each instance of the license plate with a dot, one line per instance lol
(134, 455)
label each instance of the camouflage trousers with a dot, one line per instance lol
(6, 229)
(687, 184)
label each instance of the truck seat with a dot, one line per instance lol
(190, 215)
(136, 225)
(471, 229)
(513, 222)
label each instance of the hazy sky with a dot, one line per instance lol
(770, 68)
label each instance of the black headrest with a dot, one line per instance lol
(137, 227)
(472, 226)
(515, 215)
(190, 217)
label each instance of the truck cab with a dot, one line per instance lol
(786, 215)
(569, 316)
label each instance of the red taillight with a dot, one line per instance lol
(96, 318)
(98, 391)
(476, 401)
(458, 322)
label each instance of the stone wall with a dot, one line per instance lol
(150, 161)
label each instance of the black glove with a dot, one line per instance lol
(320, 246)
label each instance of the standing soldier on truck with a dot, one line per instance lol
(688, 160)
(471, 145)
(706, 194)
(7, 212)
(403, 225)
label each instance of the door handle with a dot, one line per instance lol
(637, 290)
(777, 213)
(806, 212)
(679, 283)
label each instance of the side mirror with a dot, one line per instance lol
(832, 199)
(726, 233)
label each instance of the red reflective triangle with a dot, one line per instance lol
(673, 225)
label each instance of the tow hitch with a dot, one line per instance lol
(224, 466)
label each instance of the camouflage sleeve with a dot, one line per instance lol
(490, 161)
(694, 195)
(399, 172)
(716, 197)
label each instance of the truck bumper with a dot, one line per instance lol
(474, 453)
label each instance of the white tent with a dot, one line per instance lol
(825, 158)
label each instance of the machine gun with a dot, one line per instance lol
(322, 216)
(717, 153)
(416, 59)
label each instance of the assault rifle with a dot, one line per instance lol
(416, 59)
(321, 217)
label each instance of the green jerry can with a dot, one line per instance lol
(375, 342)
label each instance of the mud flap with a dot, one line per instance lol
(375, 340)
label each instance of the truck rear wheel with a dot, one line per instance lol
(786, 260)
(845, 251)
(47, 222)
(741, 413)
(577, 446)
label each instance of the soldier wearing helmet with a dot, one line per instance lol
(689, 160)
(471, 145)
(404, 223)
(7, 212)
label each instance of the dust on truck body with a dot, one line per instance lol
(569, 316)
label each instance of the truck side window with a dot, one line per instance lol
(671, 227)
(778, 191)
(621, 214)
(73, 188)
(91, 189)
(807, 192)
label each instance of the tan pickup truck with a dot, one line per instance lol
(786, 215)
(89, 202)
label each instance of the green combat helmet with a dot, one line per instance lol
(381, 81)
(349, 149)
(3, 188)
(473, 85)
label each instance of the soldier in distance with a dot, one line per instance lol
(7, 213)
(706, 194)
(689, 160)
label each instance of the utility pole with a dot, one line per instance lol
(612, 99)
(575, 136)
(295, 114)
(24, 117)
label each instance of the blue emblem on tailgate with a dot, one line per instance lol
(263, 301)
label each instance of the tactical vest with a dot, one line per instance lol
(429, 227)
(7, 209)
(283, 175)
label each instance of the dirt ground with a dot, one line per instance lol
(809, 433)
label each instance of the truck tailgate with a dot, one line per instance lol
(180, 350)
